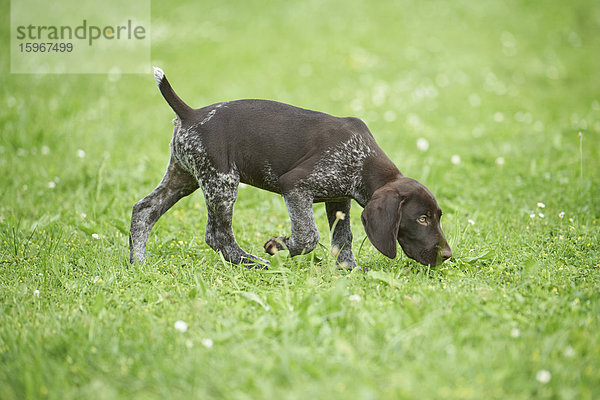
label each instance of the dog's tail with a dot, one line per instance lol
(181, 109)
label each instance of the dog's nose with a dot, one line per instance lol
(446, 252)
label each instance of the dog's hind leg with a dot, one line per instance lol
(176, 184)
(220, 193)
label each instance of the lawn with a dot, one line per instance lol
(494, 105)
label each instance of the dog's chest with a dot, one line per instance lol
(338, 173)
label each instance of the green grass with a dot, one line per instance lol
(489, 80)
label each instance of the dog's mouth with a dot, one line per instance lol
(417, 257)
(426, 257)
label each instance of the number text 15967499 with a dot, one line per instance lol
(45, 47)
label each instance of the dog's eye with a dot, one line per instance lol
(422, 220)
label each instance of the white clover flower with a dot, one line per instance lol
(543, 376)
(455, 159)
(95, 236)
(36, 293)
(569, 351)
(541, 205)
(207, 342)
(532, 216)
(422, 144)
(354, 298)
(81, 153)
(470, 221)
(180, 326)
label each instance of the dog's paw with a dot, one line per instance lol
(274, 245)
(358, 268)
(254, 262)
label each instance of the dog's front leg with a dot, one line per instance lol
(305, 235)
(338, 214)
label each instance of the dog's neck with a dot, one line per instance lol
(377, 172)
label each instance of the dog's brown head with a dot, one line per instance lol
(406, 211)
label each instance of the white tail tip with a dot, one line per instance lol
(158, 75)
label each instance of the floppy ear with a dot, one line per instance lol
(381, 219)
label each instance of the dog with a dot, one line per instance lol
(305, 156)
